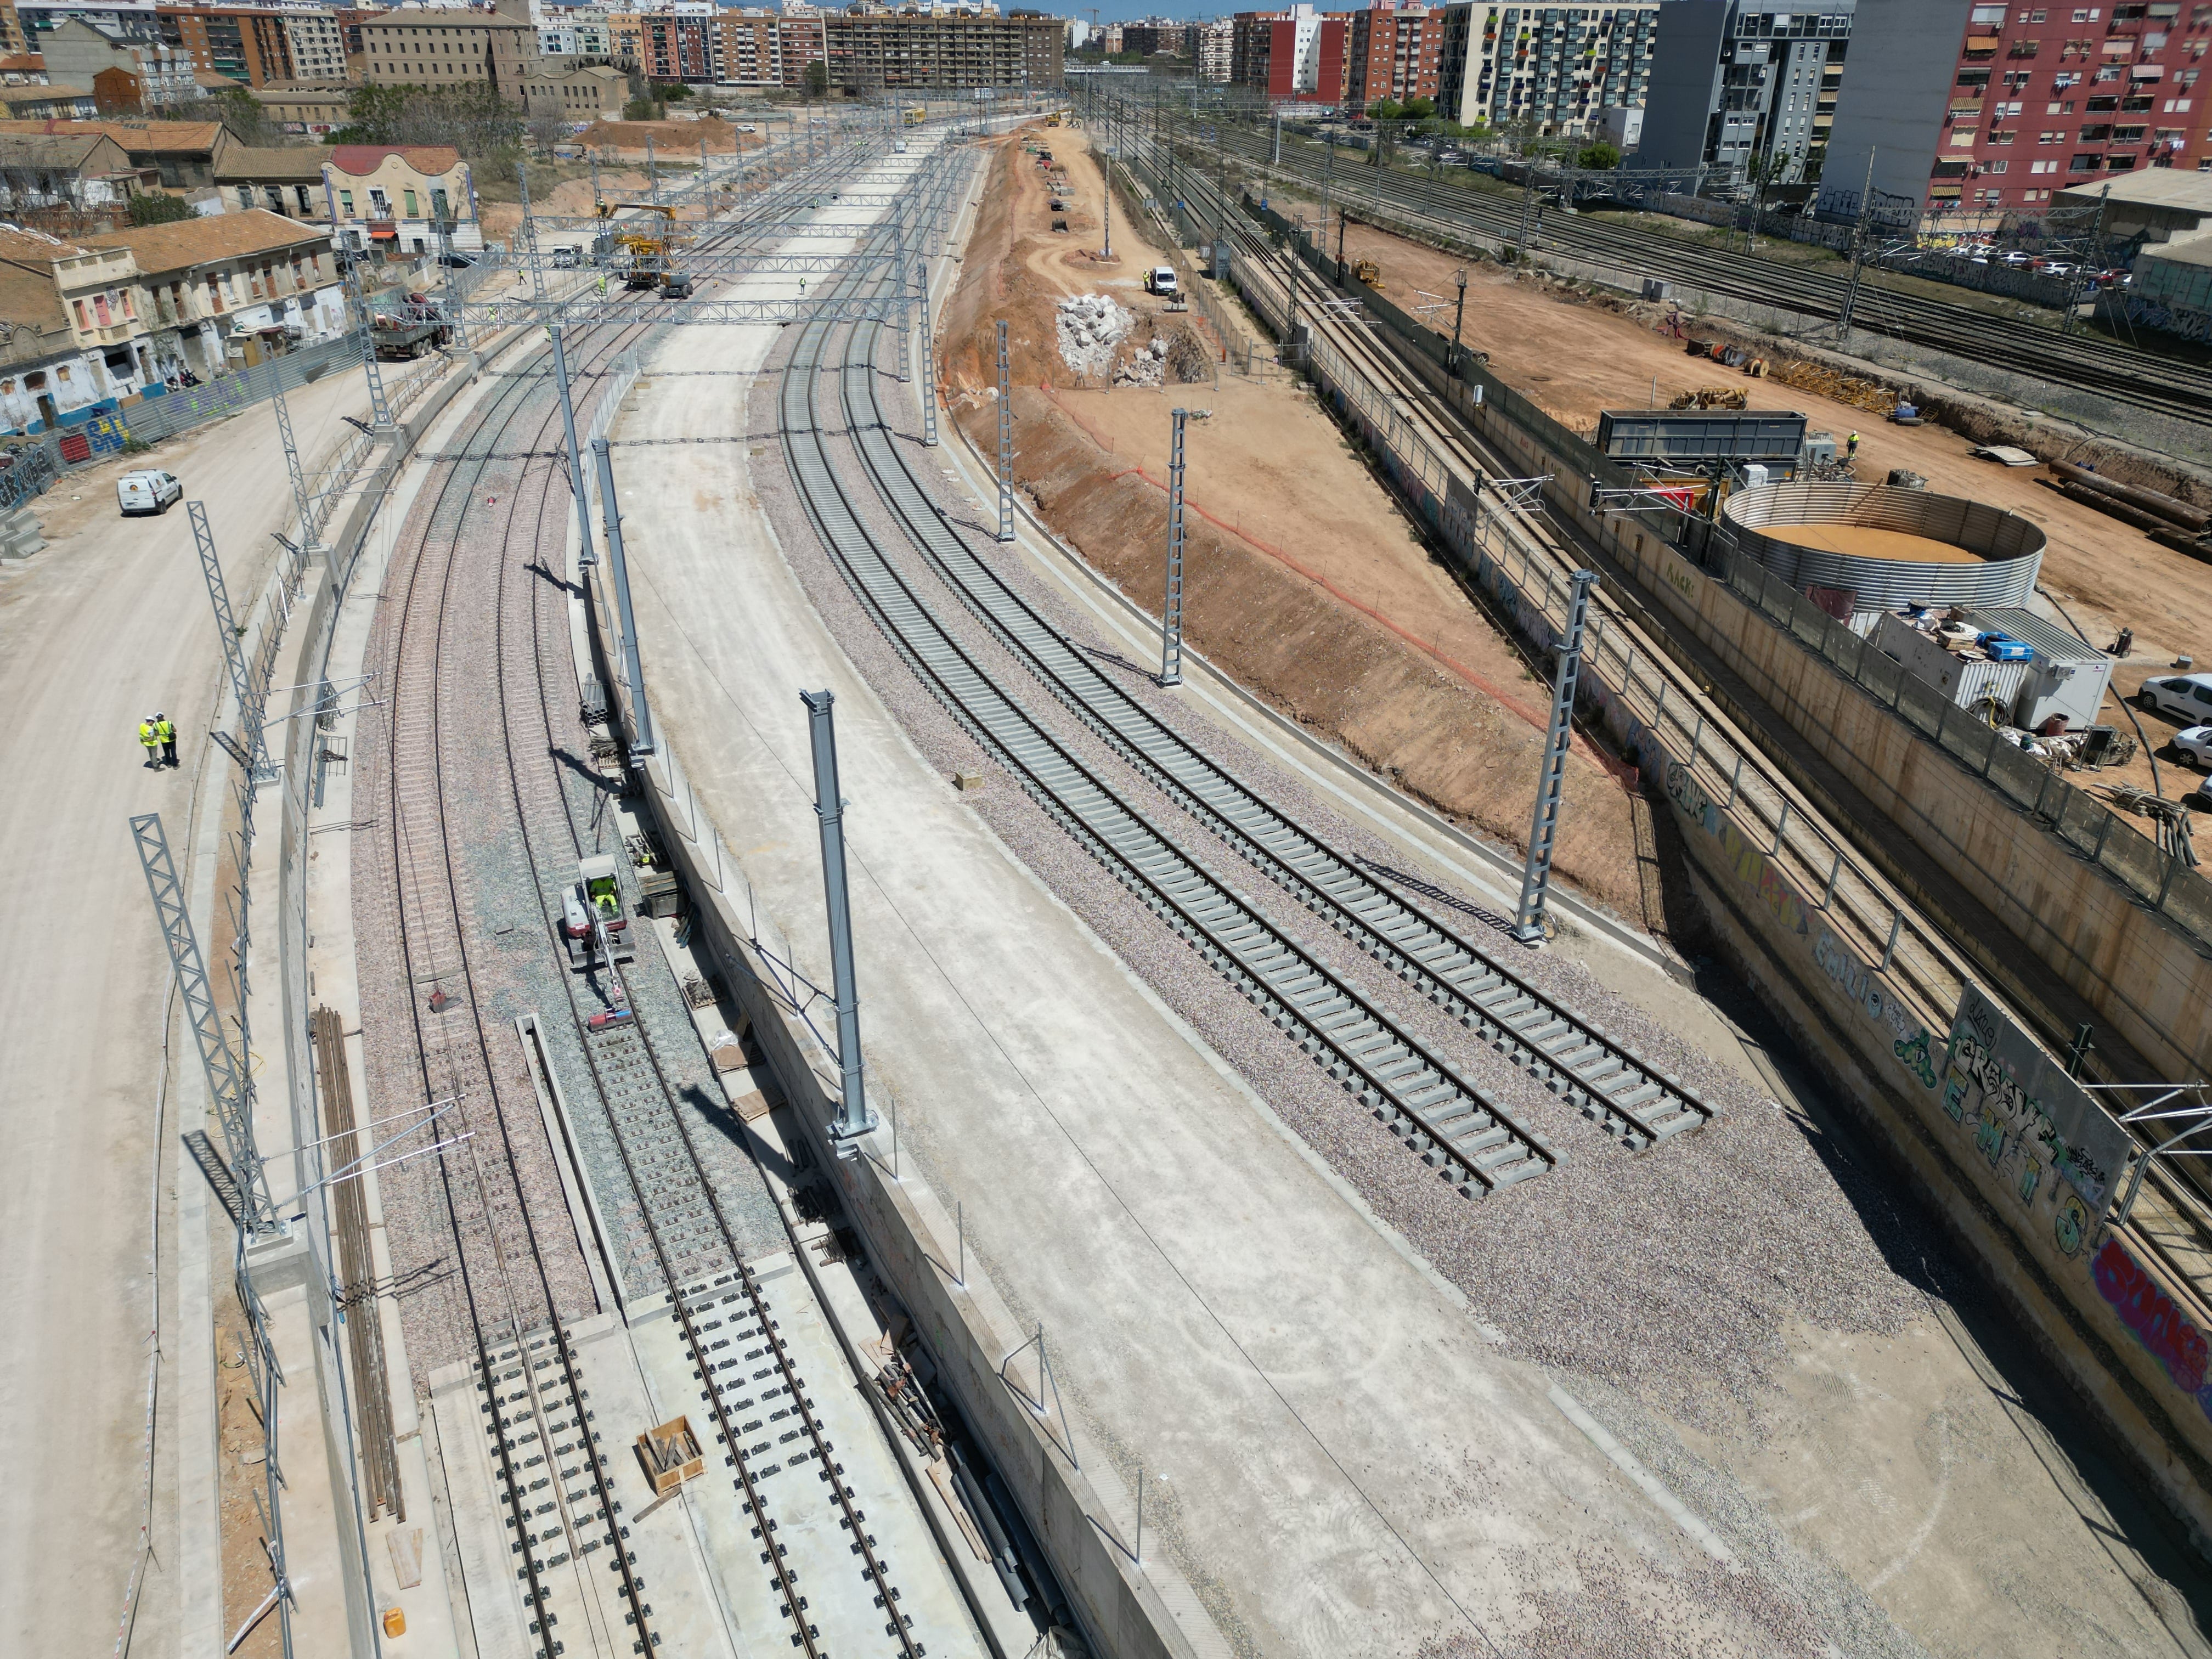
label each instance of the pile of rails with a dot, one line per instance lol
(1875, 399)
(2167, 521)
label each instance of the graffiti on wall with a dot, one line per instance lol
(2151, 1315)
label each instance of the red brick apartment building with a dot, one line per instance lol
(1395, 53)
(1978, 111)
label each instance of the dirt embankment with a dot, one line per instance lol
(1302, 579)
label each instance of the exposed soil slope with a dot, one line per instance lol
(1303, 578)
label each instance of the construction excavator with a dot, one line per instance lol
(642, 247)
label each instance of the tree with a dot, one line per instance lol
(817, 79)
(675, 94)
(1599, 157)
(1420, 109)
(1385, 109)
(474, 120)
(641, 109)
(158, 210)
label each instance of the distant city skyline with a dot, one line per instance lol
(1130, 14)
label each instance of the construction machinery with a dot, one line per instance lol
(594, 922)
(642, 247)
(914, 115)
(1370, 273)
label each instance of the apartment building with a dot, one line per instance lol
(940, 53)
(1550, 70)
(250, 45)
(1153, 35)
(451, 49)
(76, 52)
(1293, 56)
(1978, 112)
(1736, 84)
(749, 48)
(1392, 51)
(81, 171)
(1209, 47)
(675, 47)
(801, 40)
(318, 46)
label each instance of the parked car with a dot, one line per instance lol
(2018, 257)
(2194, 744)
(147, 494)
(1160, 279)
(2187, 695)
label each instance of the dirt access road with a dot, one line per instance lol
(108, 623)
(1304, 579)
(1574, 358)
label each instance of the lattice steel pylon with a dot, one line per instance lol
(1543, 826)
(530, 231)
(926, 342)
(301, 502)
(1005, 439)
(379, 406)
(227, 1087)
(226, 622)
(1171, 609)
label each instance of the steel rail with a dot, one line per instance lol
(1475, 1145)
(1596, 1072)
(605, 1053)
(2139, 377)
(540, 1611)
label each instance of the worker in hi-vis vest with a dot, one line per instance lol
(151, 740)
(166, 730)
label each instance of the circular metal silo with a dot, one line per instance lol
(2007, 550)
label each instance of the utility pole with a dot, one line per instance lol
(587, 556)
(1005, 439)
(299, 499)
(226, 620)
(379, 407)
(1459, 312)
(1527, 212)
(652, 169)
(928, 347)
(854, 1117)
(529, 232)
(625, 619)
(1278, 162)
(1171, 610)
(1858, 254)
(592, 156)
(1291, 278)
(1328, 187)
(1536, 874)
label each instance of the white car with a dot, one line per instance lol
(1160, 279)
(2188, 696)
(2194, 744)
(141, 493)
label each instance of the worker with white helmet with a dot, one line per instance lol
(166, 730)
(149, 739)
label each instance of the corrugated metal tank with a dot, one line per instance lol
(2010, 548)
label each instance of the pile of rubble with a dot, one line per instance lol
(1147, 365)
(1091, 326)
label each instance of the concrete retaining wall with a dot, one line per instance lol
(2133, 1344)
(910, 1237)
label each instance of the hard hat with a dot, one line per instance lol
(159, 715)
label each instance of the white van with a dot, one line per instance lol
(1160, 279)
(139, 493)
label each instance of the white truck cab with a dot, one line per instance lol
(140, 494)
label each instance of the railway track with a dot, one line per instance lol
(1474, 1143)
(552, 1479)
(1614, 609)
(1575, 1059)
(2137, 378)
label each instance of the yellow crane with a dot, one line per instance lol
(648, 244)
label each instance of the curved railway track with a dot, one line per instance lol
(1595, 1071)
(2138, 379)
(1475, 1145)
(559, 1514)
